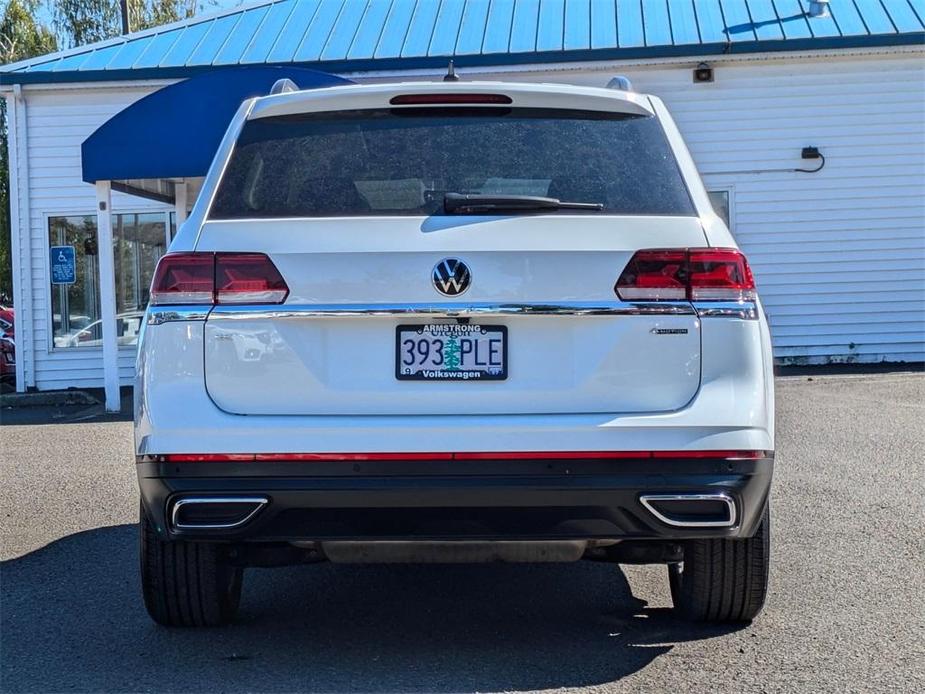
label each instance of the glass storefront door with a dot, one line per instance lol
(139, 240)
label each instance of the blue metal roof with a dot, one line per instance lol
(359, 35)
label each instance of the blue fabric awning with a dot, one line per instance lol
(174, 132)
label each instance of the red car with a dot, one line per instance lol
(7, 321)
(7, 348)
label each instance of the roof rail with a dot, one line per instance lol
(281, 86)
(620, 82)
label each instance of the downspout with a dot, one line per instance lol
(21, 238)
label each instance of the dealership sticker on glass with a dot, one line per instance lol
(446, 352)
(63, 265)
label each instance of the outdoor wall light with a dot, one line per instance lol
(703, 73)
(812, 153)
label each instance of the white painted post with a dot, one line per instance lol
(19, 234)
(21, 229)
(107, 295)
(180, 198)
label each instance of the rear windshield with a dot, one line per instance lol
(403, 162)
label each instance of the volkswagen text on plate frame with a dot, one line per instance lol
(446, 322)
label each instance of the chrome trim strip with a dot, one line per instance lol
(646, 500)
(451, 310)
(259, 501)
(704, 309)
(747, 310)
(168, 314)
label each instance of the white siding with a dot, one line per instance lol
(57, 123)
(839, 255)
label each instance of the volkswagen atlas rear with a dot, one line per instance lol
(453, 322)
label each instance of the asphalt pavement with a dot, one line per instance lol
(846, 610)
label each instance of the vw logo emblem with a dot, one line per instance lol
(451, 277)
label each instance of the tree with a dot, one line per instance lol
(85, 21)
(21, 37)
(451, 354)
(151, 13)
(80, 22)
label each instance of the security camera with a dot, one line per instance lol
(703, 73)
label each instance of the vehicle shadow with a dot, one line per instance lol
(72, 619)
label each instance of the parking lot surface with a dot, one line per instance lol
(846, 610)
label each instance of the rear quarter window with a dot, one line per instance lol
(403, 161)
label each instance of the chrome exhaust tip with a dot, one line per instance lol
(712, 510)
(214, 513)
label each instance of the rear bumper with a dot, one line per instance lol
(733, 410)
(451, 500)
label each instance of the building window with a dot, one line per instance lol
(720, 199)
(139, 240)
(74, 307)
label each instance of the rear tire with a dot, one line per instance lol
(723, 580)
(186, 584)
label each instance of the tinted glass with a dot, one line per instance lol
(402, 162)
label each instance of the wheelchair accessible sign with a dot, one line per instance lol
(63, 265)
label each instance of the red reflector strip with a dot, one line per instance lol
(725, 455)
(345, 457)
(500, 455)
(208, 457)
(549, 455)
(435, 99)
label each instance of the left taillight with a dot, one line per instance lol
(184, 278)
(694, 274)
(217, 278)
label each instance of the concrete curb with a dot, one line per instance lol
(52, 398)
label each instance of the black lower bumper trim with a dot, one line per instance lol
(502, 500)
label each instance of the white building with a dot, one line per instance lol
(839, 254)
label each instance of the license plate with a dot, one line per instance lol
(440, 352)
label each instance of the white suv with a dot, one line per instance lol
(453, 321)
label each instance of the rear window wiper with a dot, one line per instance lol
(458, 203)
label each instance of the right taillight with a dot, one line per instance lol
(719, 274)
(694, 274)
(217, 278)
